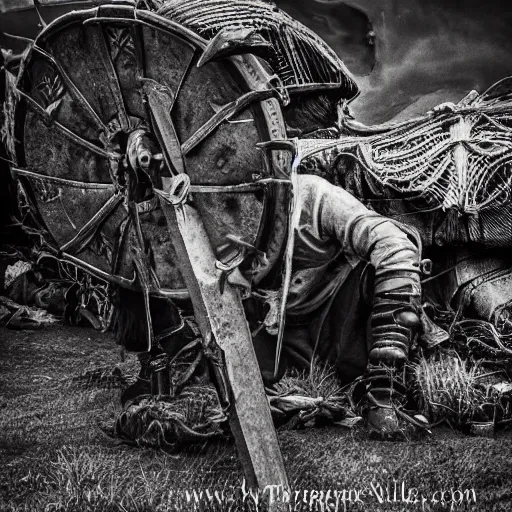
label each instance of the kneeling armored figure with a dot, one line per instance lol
(354, 298)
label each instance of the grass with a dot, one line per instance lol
(59, 391)
(316, 393)
(453, 390)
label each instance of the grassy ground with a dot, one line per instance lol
(59, 390)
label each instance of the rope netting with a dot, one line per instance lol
(298, 55)
(455, 156)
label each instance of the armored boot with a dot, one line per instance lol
(385, 391)
(394, 322)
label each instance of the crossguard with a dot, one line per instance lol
(234, 254)
(177, 188)
(283, 145)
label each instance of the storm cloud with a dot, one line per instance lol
(410, 55)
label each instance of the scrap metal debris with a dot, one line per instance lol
(15, 270)
(17, 316)
(38, 292)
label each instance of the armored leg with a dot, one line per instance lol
(394, 321)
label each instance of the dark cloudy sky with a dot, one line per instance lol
(425, 51)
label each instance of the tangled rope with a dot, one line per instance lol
(458, 155)
(172, 421)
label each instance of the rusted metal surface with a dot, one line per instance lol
(64, 109)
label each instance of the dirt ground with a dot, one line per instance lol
(59, 396)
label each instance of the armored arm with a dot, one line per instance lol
(365, 235)
(397, 290)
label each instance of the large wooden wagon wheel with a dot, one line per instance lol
(142, 164)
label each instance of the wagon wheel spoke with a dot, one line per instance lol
(113, 80)
(84, 236)
(224, 114)
(69, 134)
(161, 100)
(73, 89)
(138, 44)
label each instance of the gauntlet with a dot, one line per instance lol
(395, 318)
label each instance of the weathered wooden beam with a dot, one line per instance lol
(222, 315)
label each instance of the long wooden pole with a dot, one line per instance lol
(220, 316)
